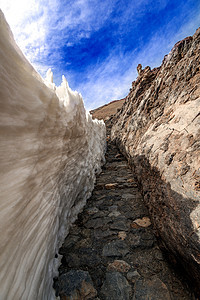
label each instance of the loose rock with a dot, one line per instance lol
(122, 235)
(116, 287)
(133, 276)
(153, 289)
(116, 248)
(76, 284)
(111, 186)
(144, 222)
(119, 265)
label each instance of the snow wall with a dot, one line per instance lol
(50, 151)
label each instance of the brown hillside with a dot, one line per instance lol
(107, 110)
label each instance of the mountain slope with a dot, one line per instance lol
(107, 110)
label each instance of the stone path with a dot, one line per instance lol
(111, 252)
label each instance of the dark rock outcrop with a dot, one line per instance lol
(158, 129)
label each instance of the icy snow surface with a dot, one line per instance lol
(50, 150)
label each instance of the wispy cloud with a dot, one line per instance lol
(44, 26)
(112, 79)
(97, 45)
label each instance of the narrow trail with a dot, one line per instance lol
(111, 252)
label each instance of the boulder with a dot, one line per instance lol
(153, 289)
(115, 287)
(76, 284)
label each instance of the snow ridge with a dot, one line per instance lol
(50, 151)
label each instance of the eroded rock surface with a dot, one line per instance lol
(158, 129)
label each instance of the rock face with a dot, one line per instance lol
(158, 129)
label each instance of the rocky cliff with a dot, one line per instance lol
(158, 129)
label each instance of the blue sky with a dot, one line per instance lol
(97, 45)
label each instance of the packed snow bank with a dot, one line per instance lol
(50, 151)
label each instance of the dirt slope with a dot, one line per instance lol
(107, 110)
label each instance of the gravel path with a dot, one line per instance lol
(111, 251)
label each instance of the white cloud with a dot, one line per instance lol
(42, 27)
(27, 20)
(112, 79)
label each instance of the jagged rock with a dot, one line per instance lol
(89, 257)
(97, 223)
(92, 210)
(158, 129)
(153, 289)
(116, 248)
(132, 276)
(76, 284)
(119, 265)
(113, 208)
(120, 225)
(70, 242)
(114, 214)
(99, 234)
(142, 240)
(139, 69)
(116, 287)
